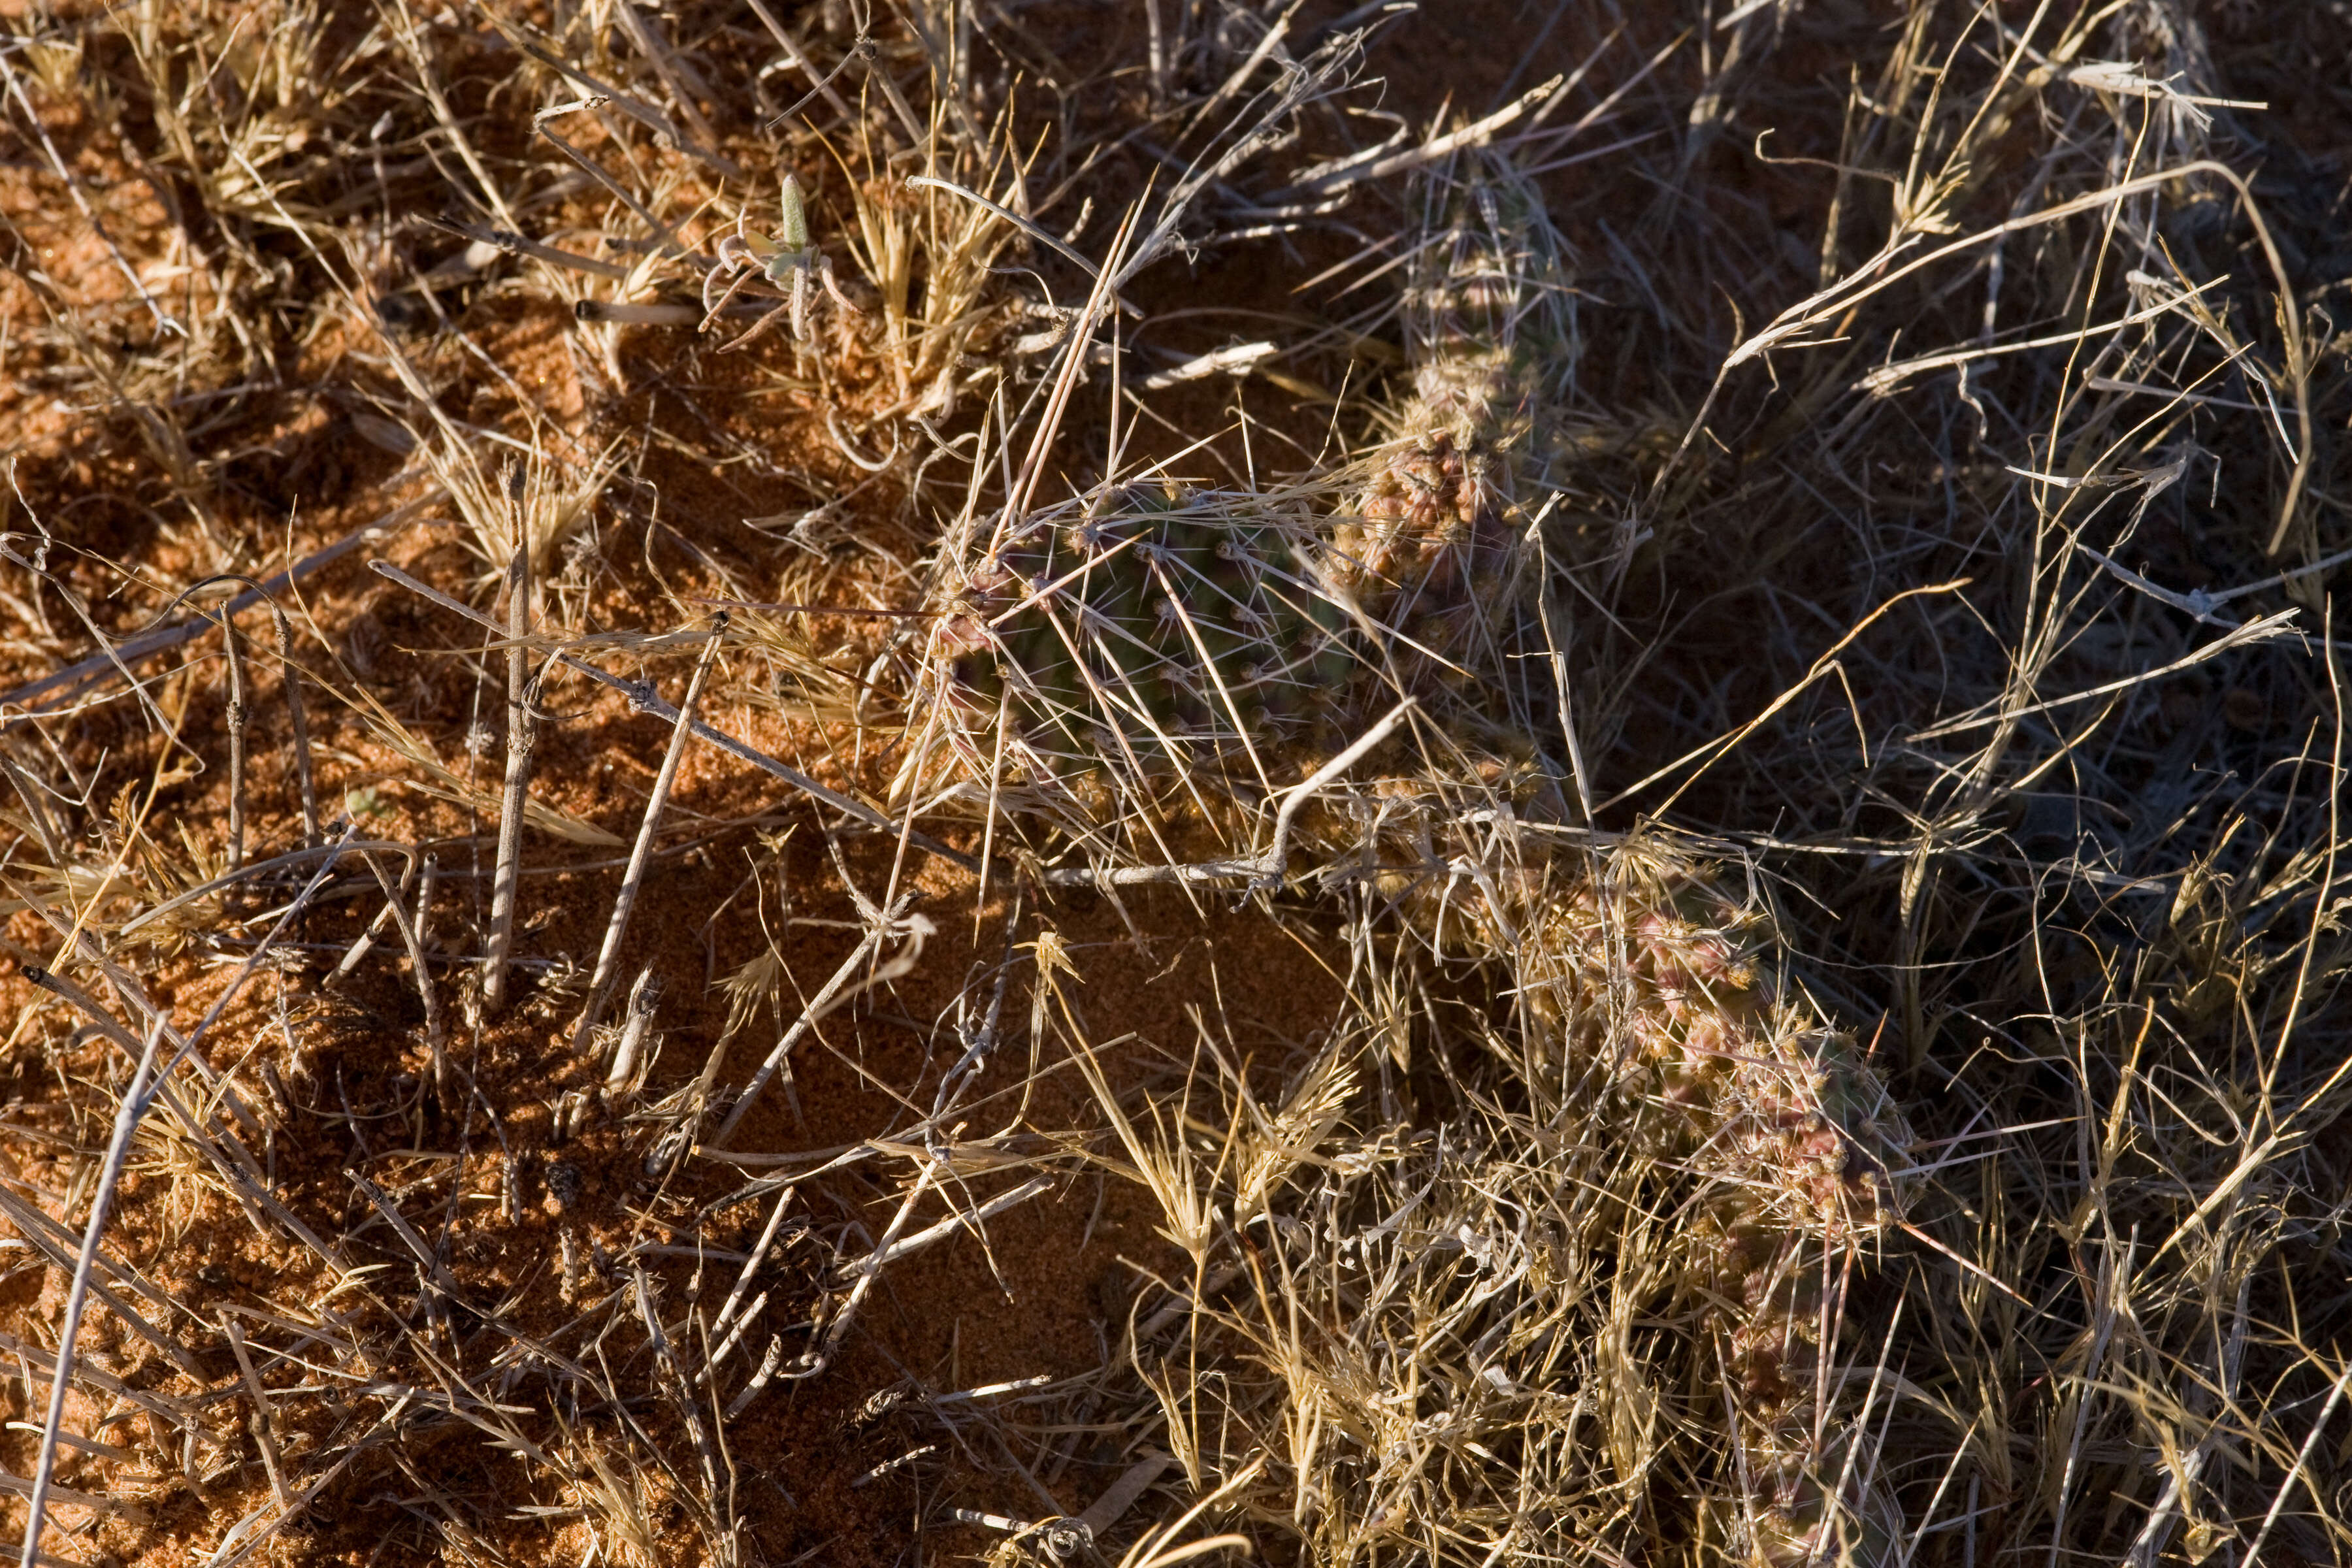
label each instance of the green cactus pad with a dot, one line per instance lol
(1157, 625)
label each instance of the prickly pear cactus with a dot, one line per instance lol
(1653, 975)
(1155, 626)
(1151, 625)
(1435, 547)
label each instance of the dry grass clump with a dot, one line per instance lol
(1783, 651)
(367, 1261)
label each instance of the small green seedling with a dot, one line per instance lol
(791, 262)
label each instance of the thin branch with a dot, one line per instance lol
(600, 986)
(522, 736)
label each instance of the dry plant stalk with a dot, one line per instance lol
(521, 726)
(608, 971)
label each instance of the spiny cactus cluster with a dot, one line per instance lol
(1155, 625)
(1651, 974)
(1150, 624)
(1642, 972)
(1158, 623)
(1437, 546)
(1662, 976)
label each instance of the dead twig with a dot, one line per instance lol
(522, 736)
(600, 985)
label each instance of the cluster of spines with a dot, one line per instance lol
(1651, 974)
(1156, 625)
(1429, 551)
(1434, 547)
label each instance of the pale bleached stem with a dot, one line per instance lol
(600, 986)
(520, 736)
